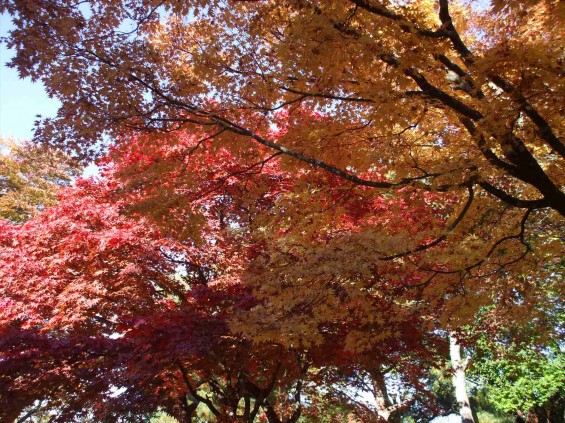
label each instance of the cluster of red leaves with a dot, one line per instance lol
(97, 321)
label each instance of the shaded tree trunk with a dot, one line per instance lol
(556, 409)
(189, 409)
(459, 380)
(537, 415)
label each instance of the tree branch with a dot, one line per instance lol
(449, 229)
(513, 201)
(403, 23)
(193, 392)
(545, 130)
(452, 33)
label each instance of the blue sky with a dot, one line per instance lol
(20, 99)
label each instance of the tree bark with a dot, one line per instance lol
(459, 380)
(386, 410)
(556, 409)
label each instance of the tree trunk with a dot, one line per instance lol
(537, 415)
(556, 409)
(386, 410)
(189, 409)
(459, 380)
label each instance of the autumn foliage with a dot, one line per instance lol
(30, 177)
(298, 201)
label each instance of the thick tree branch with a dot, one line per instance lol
(524, 167)
(453, 67)
(29, 414)
(452, 33)
(545, 130)
(487, 153)
(188, 408)
(434, 92)
(235, 128)
(513, 201)
(403, 23)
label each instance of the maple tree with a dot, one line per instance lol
(91, 305)
(339, 180)
(370, 333)
(359, 317)
(416, 99)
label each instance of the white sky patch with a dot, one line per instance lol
(91, 170)
(452, 418)
(116, 391)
